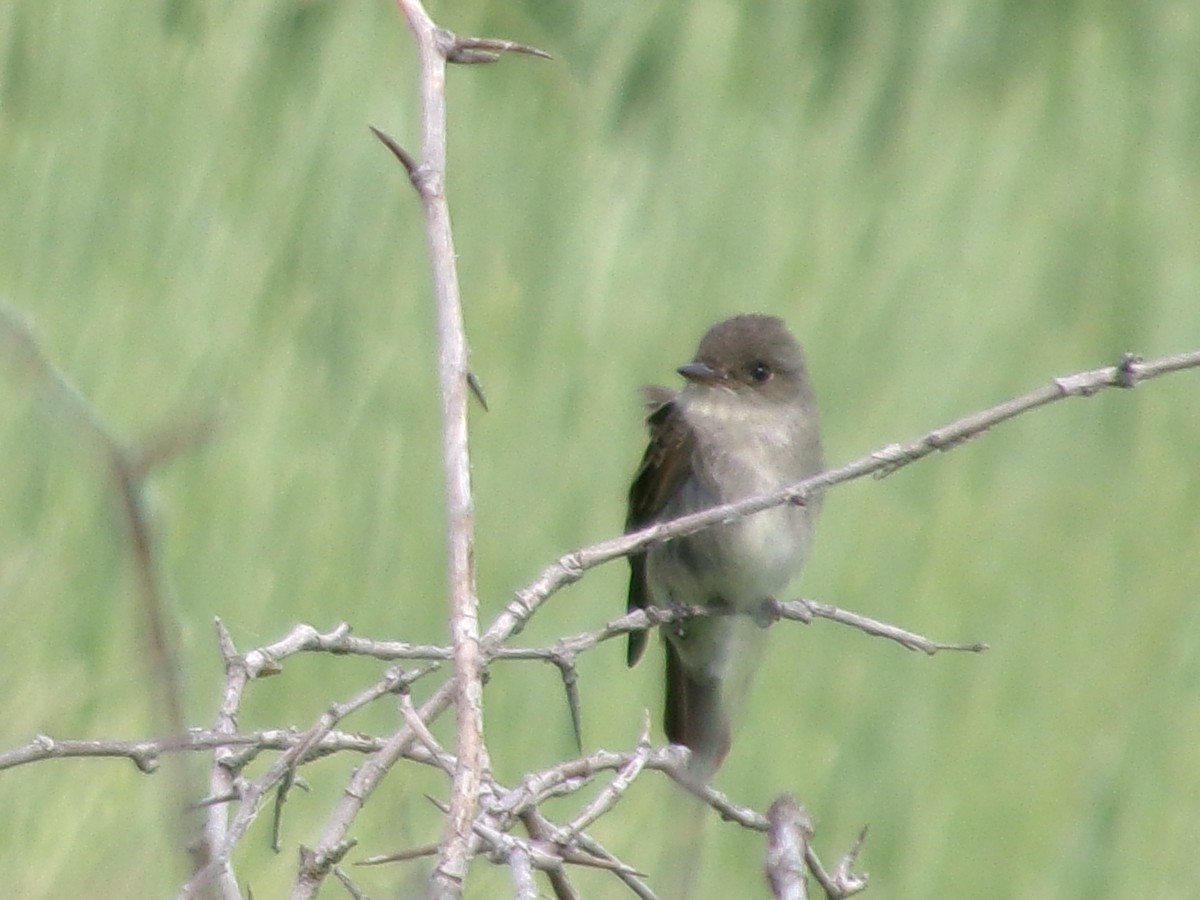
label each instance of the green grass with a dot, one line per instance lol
(950, 202)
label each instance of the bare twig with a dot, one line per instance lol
(806, 610)
(608, 798)
(787, 843)
(366, 779)
(436, 47)
(537, 828)
(843, 882)
(145, 753)
(315, 864)
(451, 869)
(566, 649)
(223, 777)
(351, 888)
(282, 770)
(443, 760)
(627, 875)
(400, 856)
(522, 872)
(304, 638)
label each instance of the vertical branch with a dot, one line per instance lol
(789, 838)
(437, 47)
(429, 180)
(222, 780)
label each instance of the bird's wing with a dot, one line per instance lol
(666, 464)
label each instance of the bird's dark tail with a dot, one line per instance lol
(693, 716)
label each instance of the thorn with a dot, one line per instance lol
(402, 856)
(466, 57)
(477, 389)
(475, 51)
(410, 164)
(566, 669)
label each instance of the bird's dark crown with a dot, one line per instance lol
(754, 351)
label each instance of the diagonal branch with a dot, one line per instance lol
(1128, 373)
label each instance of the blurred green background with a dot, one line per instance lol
(950, 201)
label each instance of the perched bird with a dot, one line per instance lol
(745, 423)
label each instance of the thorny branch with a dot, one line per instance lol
(438, 47)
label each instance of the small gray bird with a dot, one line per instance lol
(744, 424)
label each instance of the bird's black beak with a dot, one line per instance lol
(699, 373)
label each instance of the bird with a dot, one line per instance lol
(745, 423)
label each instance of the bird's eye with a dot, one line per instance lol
(760, 372)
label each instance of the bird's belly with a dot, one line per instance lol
(740, 564)
(762, 553)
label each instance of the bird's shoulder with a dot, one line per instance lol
(667, 461)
